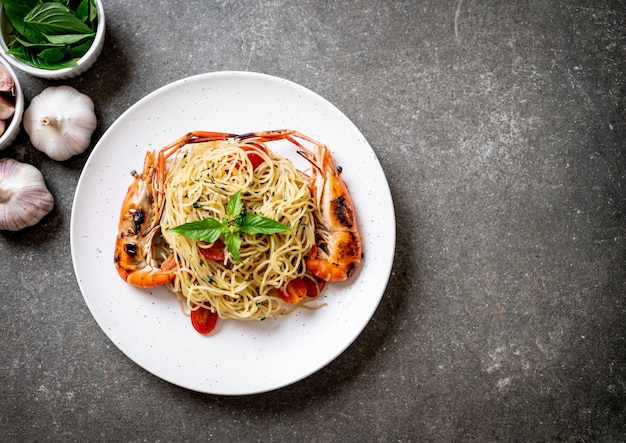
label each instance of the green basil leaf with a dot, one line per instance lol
(77, 51)
(17, 49)
(30, 58)
(16, 10)
(235, 204)
(55, 18)
(37, 45)
(257, 224)
(233, 243)
(93, 11)
(87, 12)
(82, 11)
(208, 230)
(68, 39)
(27, 5)
(52, 55)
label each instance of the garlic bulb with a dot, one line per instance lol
(60, 122)
(24, 197)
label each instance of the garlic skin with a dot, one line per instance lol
(60, 122)
(24, 197)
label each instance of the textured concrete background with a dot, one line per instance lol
(501, 127)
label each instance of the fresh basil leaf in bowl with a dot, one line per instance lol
(52, 35)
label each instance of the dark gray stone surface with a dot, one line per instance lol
(501, 127)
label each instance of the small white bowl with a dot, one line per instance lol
(11, 131)
(84, 63)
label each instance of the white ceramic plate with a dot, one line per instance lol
(147, 325)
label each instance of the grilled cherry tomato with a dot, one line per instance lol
(253, 156)
(203, 320)
(313, 289)
(217, 251)
(294, 291)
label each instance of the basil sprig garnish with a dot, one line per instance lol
(52, 34)
(236, 221)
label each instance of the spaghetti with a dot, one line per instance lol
(201, 179)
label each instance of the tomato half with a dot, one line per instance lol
(294, 291)
(253, 156)
(203, 320)
(313, 289)
(217, 251)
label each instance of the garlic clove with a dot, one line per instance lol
(6, 81)
(60, 122)
(7, 108)
(24, 197)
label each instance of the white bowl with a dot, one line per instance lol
(84, 63)
(14, 127)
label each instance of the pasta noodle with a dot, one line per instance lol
(201, 179)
